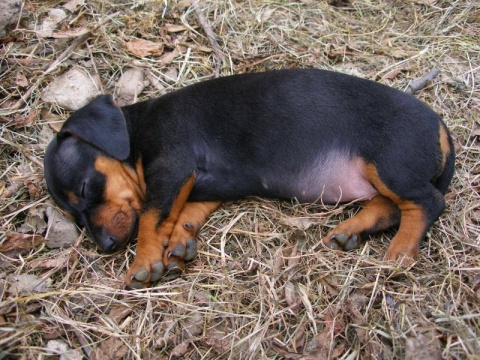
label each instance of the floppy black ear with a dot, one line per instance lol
(102, 124)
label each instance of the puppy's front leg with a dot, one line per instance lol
(155, 228)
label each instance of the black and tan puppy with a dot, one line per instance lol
(160, 167)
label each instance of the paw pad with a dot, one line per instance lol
(343, 242)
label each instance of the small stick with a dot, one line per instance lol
(422, 82)
(211, 37)
(97, 74)
(25, 152)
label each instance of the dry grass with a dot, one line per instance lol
(261, 287)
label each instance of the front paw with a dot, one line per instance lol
(181, 247)
(342, 241)
(144, 272)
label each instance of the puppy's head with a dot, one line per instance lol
(89, 174)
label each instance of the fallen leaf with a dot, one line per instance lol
(51, 22)
(141, 47)
(26, 121)
(119, 312)
(194, 324)
(53, 120)
(170, 75)
(299, 223)
(62, 232)
(26, 284)
(70, 33)
(58, 261)
(168, 57)
(21, 80)
(334, 321)
(392, 74)
(72, 5)
(180, 349)
(264, 15)
(155, 81)
(18, 242)
(71, 90)
(423, 346)
(218, 341)
(165, 332)
(175, 28)
(325, 345)
(425, 2)
(111, 349)
(293, 300)
(130, 85)
(58, 347)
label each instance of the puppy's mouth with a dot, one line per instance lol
(109, 242)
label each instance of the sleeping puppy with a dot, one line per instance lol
(158, 168)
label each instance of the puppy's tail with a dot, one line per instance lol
(442, 181)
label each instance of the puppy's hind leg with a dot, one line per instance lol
(377, 214)
(420, 205)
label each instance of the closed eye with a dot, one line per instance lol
(83, 190)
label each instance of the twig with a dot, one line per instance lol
(250, 64)
(422, 82)
(97, 74)
(211, 37)
(25, 152)
(63, 56)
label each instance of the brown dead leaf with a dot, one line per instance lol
(392, 74)
(425, 2)
(285, 353)
(299, 223)
(119, 312)
(423, 346)
(26, 121)
(141, 47)
(175, 28)
(325, 345)
(111, 349)
(21, 80)
(53, 120)
(62, 232)
(27, 284)
(72, 5)
(293, 300)
(70, 33)
(35, 221)
(194, 324)
(59, 347)
(18, 242)
(58, 261)
(217, 341)
(334, 321)
(130, 85)
(168, 57)
(51, 22)
(181, 349)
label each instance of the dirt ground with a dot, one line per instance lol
(261, 287)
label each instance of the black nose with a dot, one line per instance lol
(109, 244)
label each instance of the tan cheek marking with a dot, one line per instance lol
(72, 198)
(122, 196)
